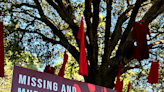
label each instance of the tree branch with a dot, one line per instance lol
(63, 41)
(94, 44)
(66, 15)
(96, 4)
(25, 12)
(115, 37)
(155, 43)
(87, 14)
(156, 35)
(105, 58)
(65, 11)
(61, 9)
(37, 31)
(117, 32)
(24, 4)
(130, 67)
(127, 2)
(154, 11)
(39, 8)
(107, 32)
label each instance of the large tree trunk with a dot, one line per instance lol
(105, 74)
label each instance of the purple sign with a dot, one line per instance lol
(27, 80)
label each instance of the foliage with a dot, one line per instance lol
(22, 59)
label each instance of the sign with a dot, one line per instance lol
(27, 80)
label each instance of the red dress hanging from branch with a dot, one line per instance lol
(1, 51)
(119, 84)
(83, 70)
(49, 69)
(61, 72)
(153, 76)
(139, 33)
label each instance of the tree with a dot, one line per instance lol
(38, 25)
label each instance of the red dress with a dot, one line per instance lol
(62, 69)
(49, 69)
(1, 51)
(83, 69)
(153, 74)
(119, 84)
(129, 87)
(139, 33)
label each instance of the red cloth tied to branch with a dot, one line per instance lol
(1, 51)
(119, 84)
(129, 86)
(49, 69)
(139, 32)
(153, 76)
(61, 72)
(83, 70)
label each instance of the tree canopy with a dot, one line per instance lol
(47, 27)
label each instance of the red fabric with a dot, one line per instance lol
(61, 72)
(139, 32)
(153, 76)
(1, 51)
(83, 70)
(129, 86)
(49, 69)
(119, 84)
